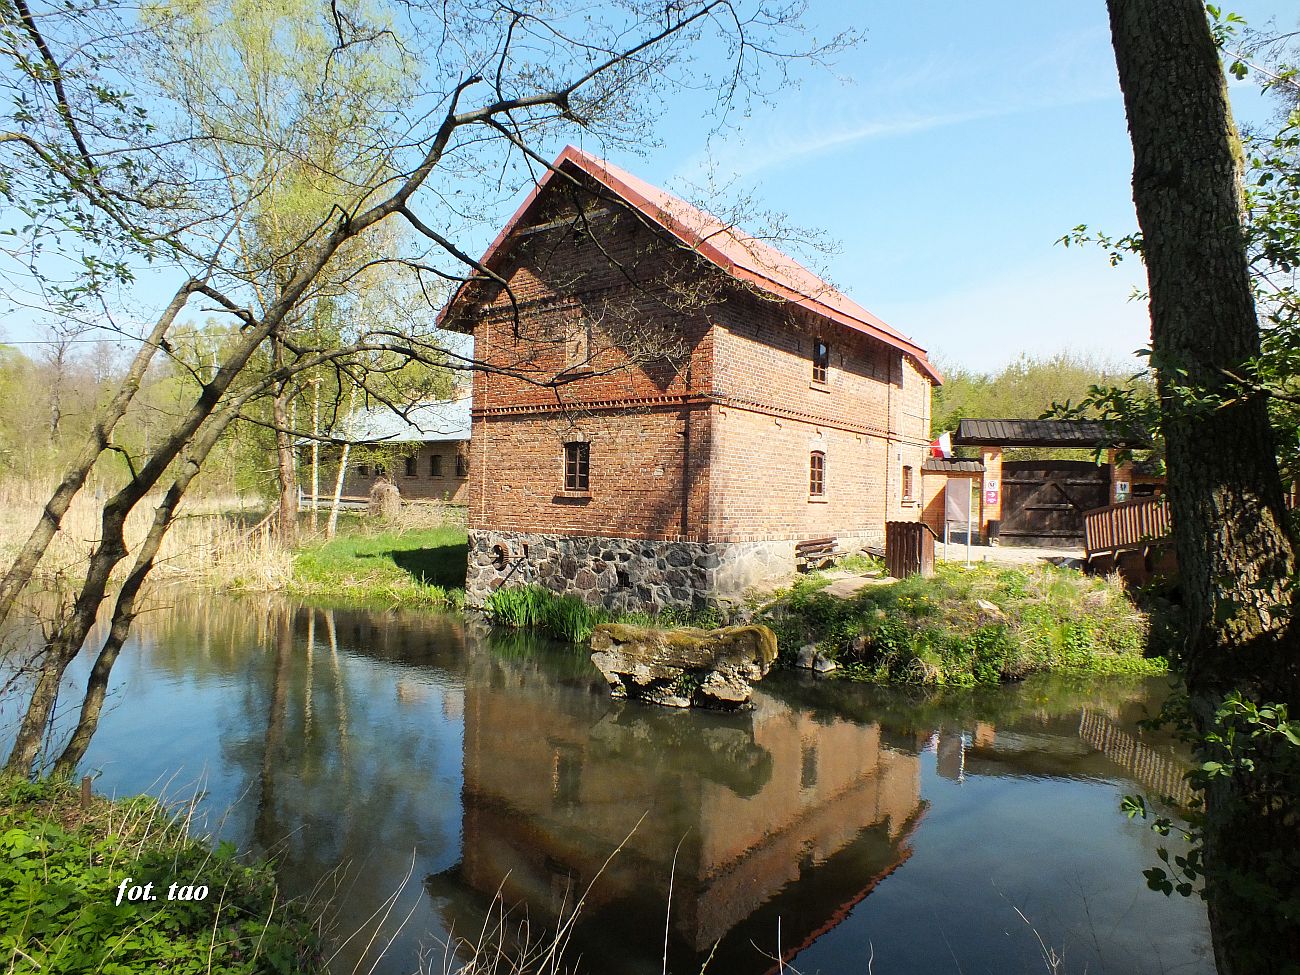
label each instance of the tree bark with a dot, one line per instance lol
(1235, 552)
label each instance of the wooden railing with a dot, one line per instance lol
(1128, 525)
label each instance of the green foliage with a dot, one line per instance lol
(420, 566)
(1254, 750)
(935, 632)
(563, 617)
(61, 866)
(569, 618)
(1027, 388)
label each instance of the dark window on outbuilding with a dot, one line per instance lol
(462, 465)
(363, 470)
(821, 360)
(577, 466)
(410, 466)
(817, 474)
(435, 465)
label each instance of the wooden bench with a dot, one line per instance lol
(815, 553)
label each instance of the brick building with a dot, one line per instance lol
(669, 405)
(424, 452)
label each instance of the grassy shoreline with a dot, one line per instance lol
(985, 624)
(65, 859)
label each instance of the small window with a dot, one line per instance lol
(817, 474)
(577, 466)
(410, 467)
(821, 360)
(435, 465)
(462, 465)
(908, 484)
(363, 470)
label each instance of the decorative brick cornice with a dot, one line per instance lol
(694, 400)
(624, 404)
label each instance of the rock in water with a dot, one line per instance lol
(684, 667)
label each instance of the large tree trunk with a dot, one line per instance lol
(1235, 554)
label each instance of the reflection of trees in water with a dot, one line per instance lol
(339, 737)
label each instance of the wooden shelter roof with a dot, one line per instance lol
(951, 465)
(1082, 434)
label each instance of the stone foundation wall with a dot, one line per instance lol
(626, 574)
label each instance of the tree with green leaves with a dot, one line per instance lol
(482, 90)
(1237, 555)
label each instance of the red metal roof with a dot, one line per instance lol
(741, 255)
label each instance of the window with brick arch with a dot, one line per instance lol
(908, 484)
(435, 465)
(577, 466)
(462, 465)
(821, 361)
(817, 474)
(410, 466)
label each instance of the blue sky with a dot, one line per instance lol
(945, 155)
(960, 142)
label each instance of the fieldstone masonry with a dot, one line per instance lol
(624, 573)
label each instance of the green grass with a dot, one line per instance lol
(61, 866)
(933, 631)
(424, 566)
(569, 618)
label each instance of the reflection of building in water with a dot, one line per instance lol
(1155, 770)
(1050, 751)
(758, 816)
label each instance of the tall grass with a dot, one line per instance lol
(563, 617)
(210, 537)
(569, 618)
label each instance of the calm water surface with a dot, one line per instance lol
(837, 827)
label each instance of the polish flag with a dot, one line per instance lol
(942, 447)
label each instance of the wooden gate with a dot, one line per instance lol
(1043, 501)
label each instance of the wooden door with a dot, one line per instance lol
(1043, 501)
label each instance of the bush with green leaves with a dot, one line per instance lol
(62, 862)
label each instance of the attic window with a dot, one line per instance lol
(821, 361)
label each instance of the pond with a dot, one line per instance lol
(422, 763)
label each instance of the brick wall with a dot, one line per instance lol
(423, 485)
(869, 418)
(640, 477)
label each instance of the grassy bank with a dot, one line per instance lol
(970, 626)
(421, 565)
(62, 864)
